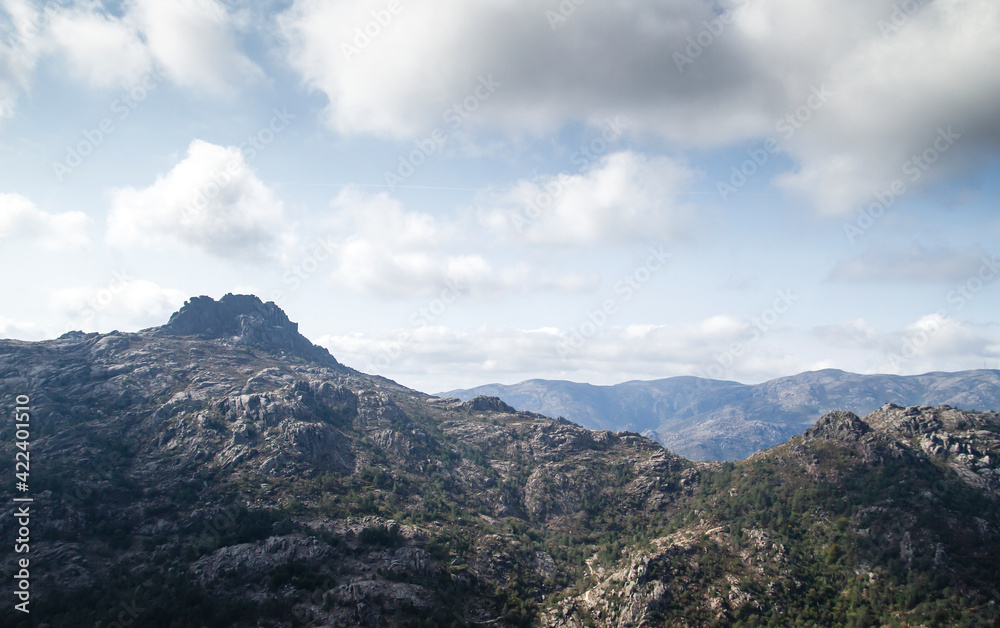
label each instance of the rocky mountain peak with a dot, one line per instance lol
(243, 319)
(484, 403)
(839, 426)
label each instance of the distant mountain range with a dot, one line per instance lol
(703, 419)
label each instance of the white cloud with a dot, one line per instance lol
(450, 44)
(435, 357)
(194, 41)
(105, 51)
(371, 267)
(385, 250)
(933, 342)
(211, 201)
(894, 95)
(123, 303)
(622, 197)
(892, 89)
(21, 220)
(21, 330)
(856, 334)
(388, 251)
(384, 216)
(937, 342)
(20, 45)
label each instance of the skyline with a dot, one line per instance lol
(452, 195)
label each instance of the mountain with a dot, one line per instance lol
(225, 462)
(883, 521)
(704, 419)
(221, 470)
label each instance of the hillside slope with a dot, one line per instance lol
(891, 520)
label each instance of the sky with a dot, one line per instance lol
(457, 193)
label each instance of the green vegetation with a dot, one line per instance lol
(833, 533)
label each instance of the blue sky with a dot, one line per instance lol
(451, 194)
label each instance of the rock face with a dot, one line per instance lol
(704, 419)
(243, 320)
(483, 403)
(838, 426)
(964, 442)
(219, 471)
